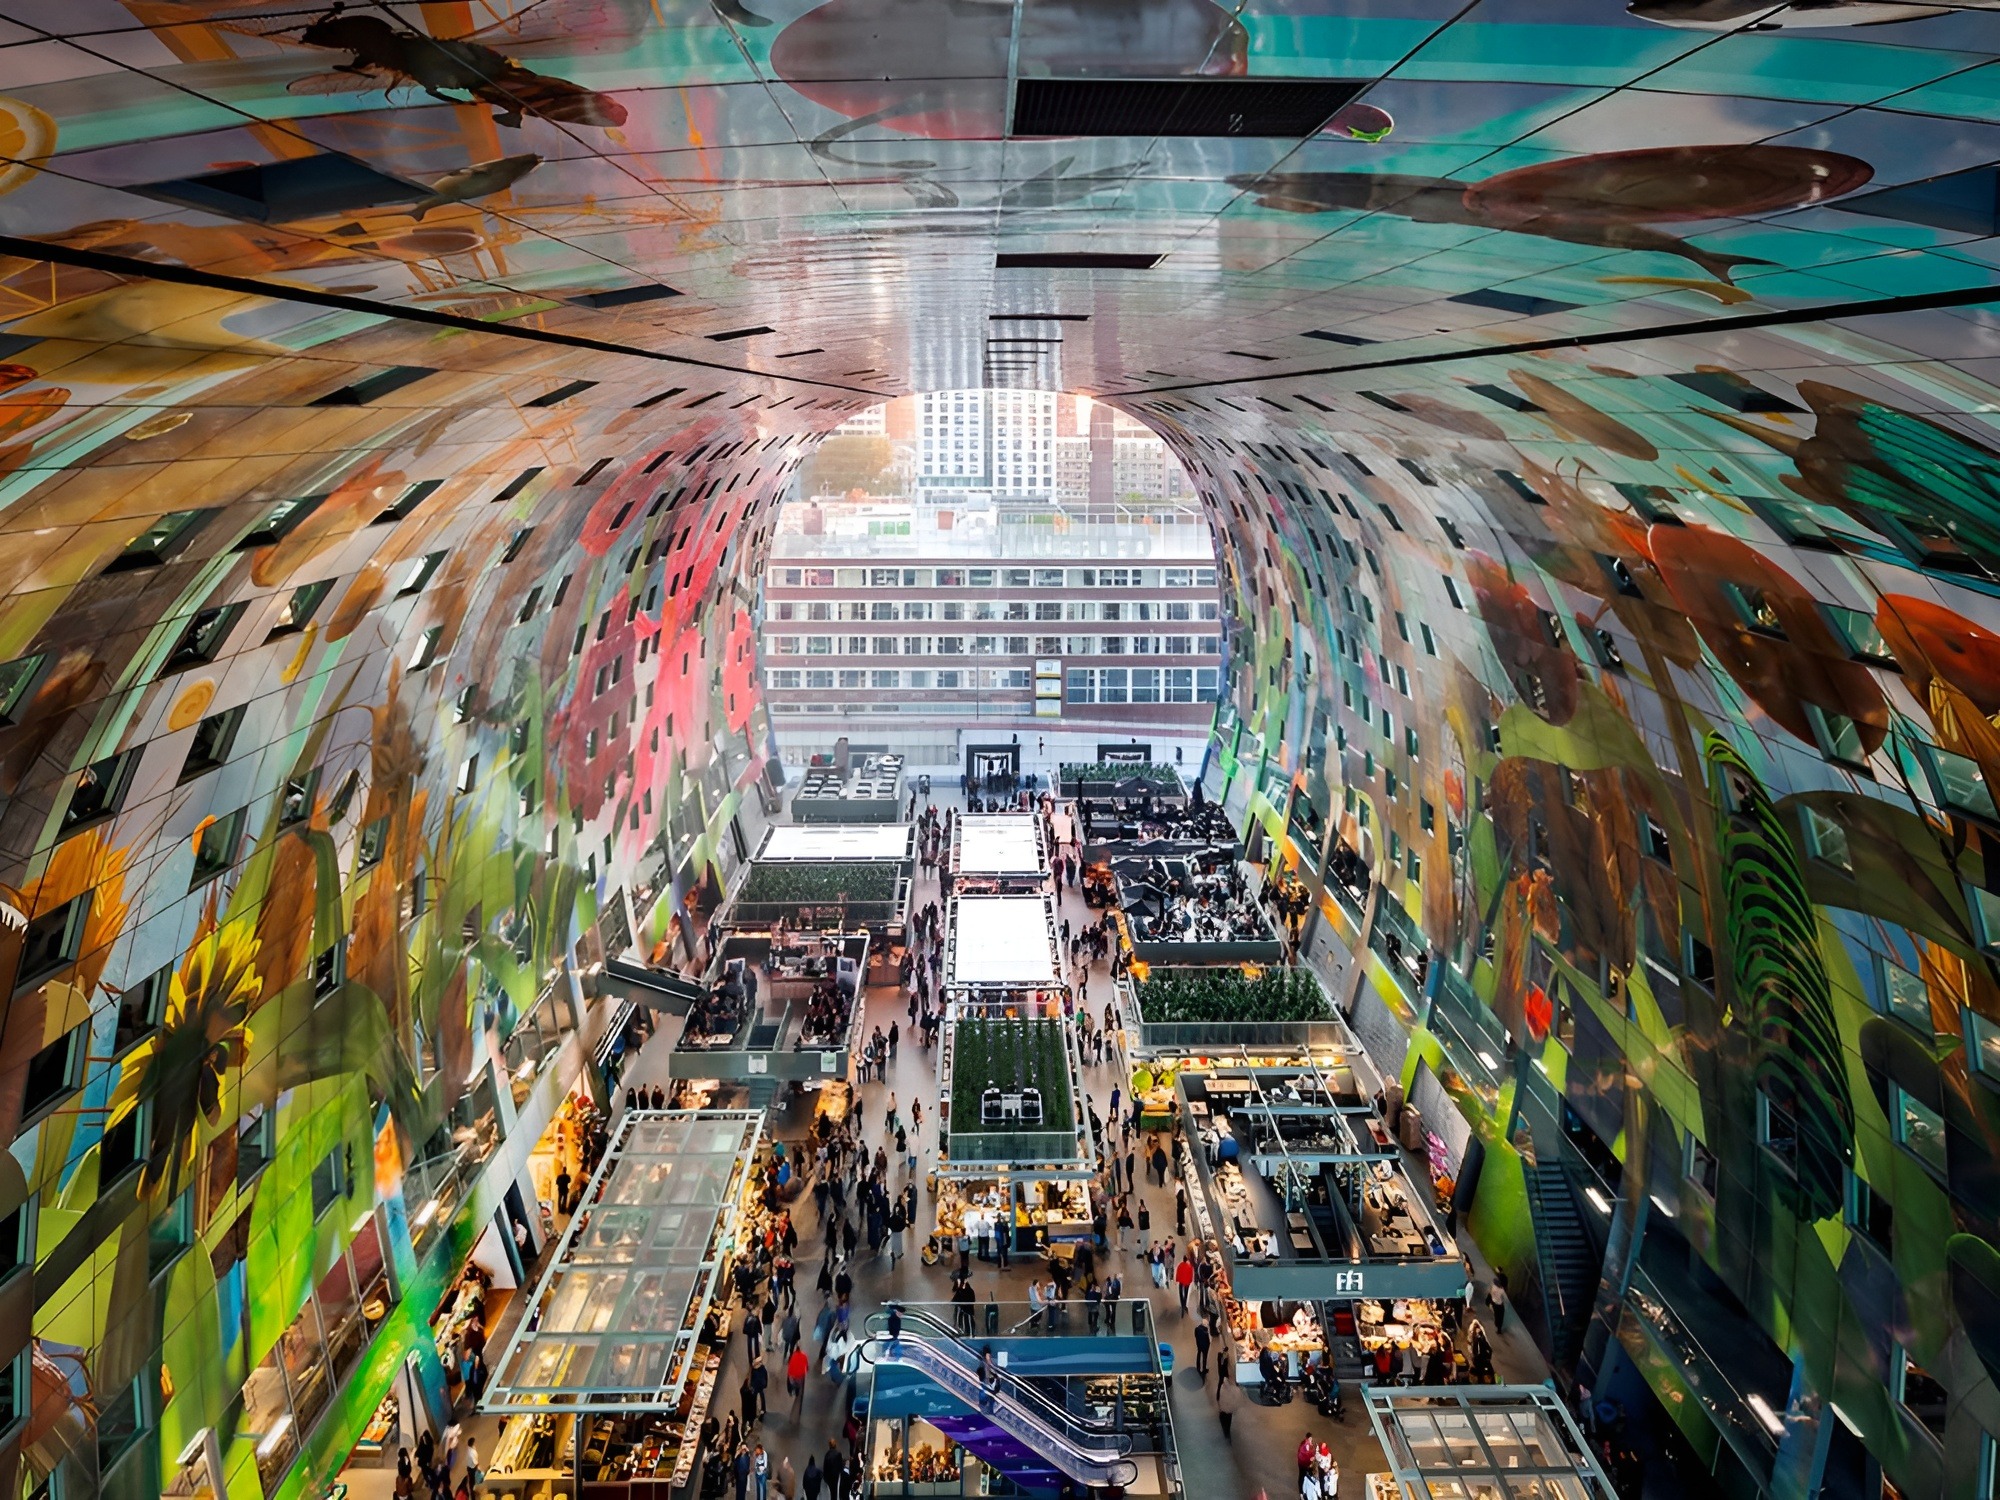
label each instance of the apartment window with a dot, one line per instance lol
(1082, 686)
(427, 645)
(53, 1075)
(202, 638)
(98, 790)
(164, 539)
(819, 645)
(329, 970)
(295, 801)
(16, 678)
(1961, 785)
(820, 677)
(408, 501)
(419, 573)
(884, 645)
(52, 941)
(1146, 685)
(140, 1009)
(1869, 1213)
(850, 678)
(950, 679)
(1920, 1393)
(1919, 1128)
(951, 645)
(1827, 841)
(1111, 685)
(215, 850)
(329, 1182)
(1778, 1130)
(783, 678)
(374, 839)
(121, 1148)
(784, 645)
(279, 522)
(890, 679)
(1863, 638)
(1703, 1169)
(1839, 738)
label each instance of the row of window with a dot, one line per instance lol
(993, 645)
(1141, 684)
(987, 578)
(1044, 610)
(920, 678)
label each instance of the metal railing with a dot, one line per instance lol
(1091, 1452)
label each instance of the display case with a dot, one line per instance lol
(535, 1459)
(907, 1456)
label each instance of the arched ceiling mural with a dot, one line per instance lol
(1598, 406)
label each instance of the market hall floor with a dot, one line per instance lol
(1265, 1441)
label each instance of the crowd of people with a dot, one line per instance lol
(863, 1205)
(1199, 899)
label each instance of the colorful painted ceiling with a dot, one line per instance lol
(1599, 408)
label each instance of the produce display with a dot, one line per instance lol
(1009, 1054)
(821, 884)
(1229, 994)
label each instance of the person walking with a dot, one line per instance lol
(1228, 1398)
(787, 1483)
(1496, 1300)
(796, 1365)
(740, 1467)
(1184, 1278)
(834, 1471)
(760, 1466)
(473, 1472)
(760, 1382)
(1202, 1339)
(809, 1481)
(452, 1433)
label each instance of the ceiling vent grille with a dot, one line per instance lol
(1144, 107)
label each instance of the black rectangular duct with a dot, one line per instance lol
(1073, 260)
(1147, 107)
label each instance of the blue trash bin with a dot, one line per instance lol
(1166, 1359)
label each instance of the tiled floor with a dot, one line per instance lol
(1261, 1455)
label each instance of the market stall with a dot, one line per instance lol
(869, 791)
(1482, 1440)
(907, 1456)
(1000, 945)
(606, 1380)
(783, 1006)
(1203, 1009)
(1193, 908)
(998, 853)
(1309, 1197)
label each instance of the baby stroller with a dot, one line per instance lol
(1323, 1390)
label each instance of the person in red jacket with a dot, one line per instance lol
(1184, 1278)
(795, 1378)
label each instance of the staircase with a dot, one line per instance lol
(1567, 1260)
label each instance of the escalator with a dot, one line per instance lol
(1014, 1427)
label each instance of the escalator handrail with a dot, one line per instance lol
(1057, 1416)
(961, 1384)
